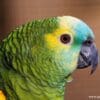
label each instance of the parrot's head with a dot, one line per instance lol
(67, 47)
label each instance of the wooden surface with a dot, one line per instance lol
(14, 13)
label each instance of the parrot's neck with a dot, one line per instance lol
(49, 93)
(25, 88)
(42, 92)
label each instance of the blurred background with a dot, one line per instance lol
(16, 12)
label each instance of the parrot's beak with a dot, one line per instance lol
(88, 56)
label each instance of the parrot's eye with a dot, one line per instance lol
(65, 38)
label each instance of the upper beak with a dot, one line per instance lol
(88, 56)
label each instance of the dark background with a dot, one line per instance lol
(16, 12)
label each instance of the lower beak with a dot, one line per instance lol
(88, 57)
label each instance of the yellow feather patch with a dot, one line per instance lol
(2, 96)
(53, 39)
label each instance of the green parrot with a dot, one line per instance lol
(38, 58)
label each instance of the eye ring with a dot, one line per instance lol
(65, 38)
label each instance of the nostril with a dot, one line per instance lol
(88, 42)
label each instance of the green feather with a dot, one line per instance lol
(20, 74)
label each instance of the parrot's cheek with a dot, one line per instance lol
(88, 57)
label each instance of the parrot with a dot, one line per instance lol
(37, 59)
